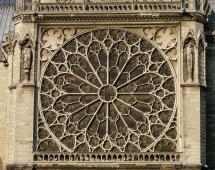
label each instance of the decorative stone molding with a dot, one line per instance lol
(115, 7)
(99, 6)
(89, 18)
(138, 158)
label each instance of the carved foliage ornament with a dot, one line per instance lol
(107, 90)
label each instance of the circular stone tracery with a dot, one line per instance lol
(108, 90)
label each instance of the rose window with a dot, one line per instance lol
(108, 91)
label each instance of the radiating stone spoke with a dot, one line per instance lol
(132, 107)
(82, 93)
(135, 93)
(137, 77)
(94, 115)
(83, 107)
(120, 116)
(84, 80)
(95, 50)
(97, 76)
(121, 71)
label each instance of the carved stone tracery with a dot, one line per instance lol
(52, 38)
(166, 38)
(105, 91)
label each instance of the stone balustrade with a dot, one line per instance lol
(111, 157)
(125, 7)
(99, 6)
(108, 6)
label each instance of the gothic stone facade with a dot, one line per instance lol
(104, 85)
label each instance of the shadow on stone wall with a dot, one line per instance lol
(210, 93)
(1, 164)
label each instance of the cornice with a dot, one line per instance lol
(193, 85)
(99, 18)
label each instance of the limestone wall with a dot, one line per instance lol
(4, 94)
(18, 104)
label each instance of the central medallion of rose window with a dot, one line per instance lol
(107, 93)
(107, 90)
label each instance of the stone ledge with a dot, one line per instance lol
(130, 18)
(111, 167)
(21, 85)
(19, 167)
(193, 84)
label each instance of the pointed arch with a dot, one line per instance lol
(190, 61)
(202, 45)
